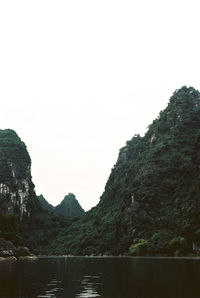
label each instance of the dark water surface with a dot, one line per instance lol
(101, 277)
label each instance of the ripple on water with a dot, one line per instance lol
(89, 285)
(52, 289)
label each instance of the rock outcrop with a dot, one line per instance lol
(8, 251)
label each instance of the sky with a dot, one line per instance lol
(79, 78)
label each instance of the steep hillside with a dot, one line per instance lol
(16, 187)
(18, 202)
(45, 204)
(69, 207)
(151, 202)
(22, 218)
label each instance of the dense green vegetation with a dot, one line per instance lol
(12, 153)
(9, 229)
(40, 229)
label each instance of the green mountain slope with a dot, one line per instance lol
(45, 204)
(40, 229)
(151, 202)
(69, 207)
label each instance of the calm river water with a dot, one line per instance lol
(101, 277)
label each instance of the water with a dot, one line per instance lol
(101, 277)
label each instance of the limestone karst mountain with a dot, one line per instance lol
(45, 204)
(151, 202)
(16, 186)
(69, 207)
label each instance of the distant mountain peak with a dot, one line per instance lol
(70, 196)
(69, 206)
(45, 204)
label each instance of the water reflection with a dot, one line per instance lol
(52, 289)
(89, 284)
(101, 277)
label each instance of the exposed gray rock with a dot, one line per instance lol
(6, 253)
(6, 245)
(28, 258)
(22, 251)
(12, 258)
(7, 250)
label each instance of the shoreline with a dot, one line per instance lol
(120, 257)
(40, 257)
(20, 258)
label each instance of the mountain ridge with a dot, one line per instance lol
(68, 207)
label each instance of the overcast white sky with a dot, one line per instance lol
(80, 78)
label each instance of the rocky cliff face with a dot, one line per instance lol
(16, 187)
